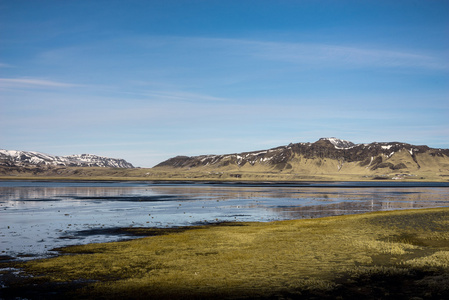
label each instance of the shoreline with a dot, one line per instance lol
(211, 181)
(130, 233)
(142, 212)
(210, 175)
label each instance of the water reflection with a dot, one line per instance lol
(59, 193)
(38, 217)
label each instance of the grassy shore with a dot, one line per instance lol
(384, 255)
(204, 174)
(231, 177)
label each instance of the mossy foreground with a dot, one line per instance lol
(387, 255)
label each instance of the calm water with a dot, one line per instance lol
(36, 217)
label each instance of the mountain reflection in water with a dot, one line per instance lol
(39, 216)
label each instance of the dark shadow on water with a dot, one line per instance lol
(40, 200)
(315, 184)
(136, 198)
(142, 231)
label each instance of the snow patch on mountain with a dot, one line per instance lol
(338, 143)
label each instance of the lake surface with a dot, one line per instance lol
(36, 216)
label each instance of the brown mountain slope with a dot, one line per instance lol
(324, 157)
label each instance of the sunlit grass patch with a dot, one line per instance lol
(384, 247)
(439, 260)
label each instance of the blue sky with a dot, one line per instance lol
(149, 80)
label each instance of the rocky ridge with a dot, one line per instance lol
(326, 152)
(12, 158)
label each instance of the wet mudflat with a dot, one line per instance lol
(36, 217)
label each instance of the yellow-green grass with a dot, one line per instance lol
(398, 253)
(171, 174)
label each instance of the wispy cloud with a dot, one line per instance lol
(33, 83)
(328, 54)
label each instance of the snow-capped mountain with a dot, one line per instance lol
(27, 158)
(339, 144)
(324, 155)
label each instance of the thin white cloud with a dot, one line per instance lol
(318, 55)
(32, 83)
(331, 55)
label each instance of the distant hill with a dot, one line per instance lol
(325, 156)
(20, 159)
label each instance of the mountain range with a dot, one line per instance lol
(325, 159)
(12, 158)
